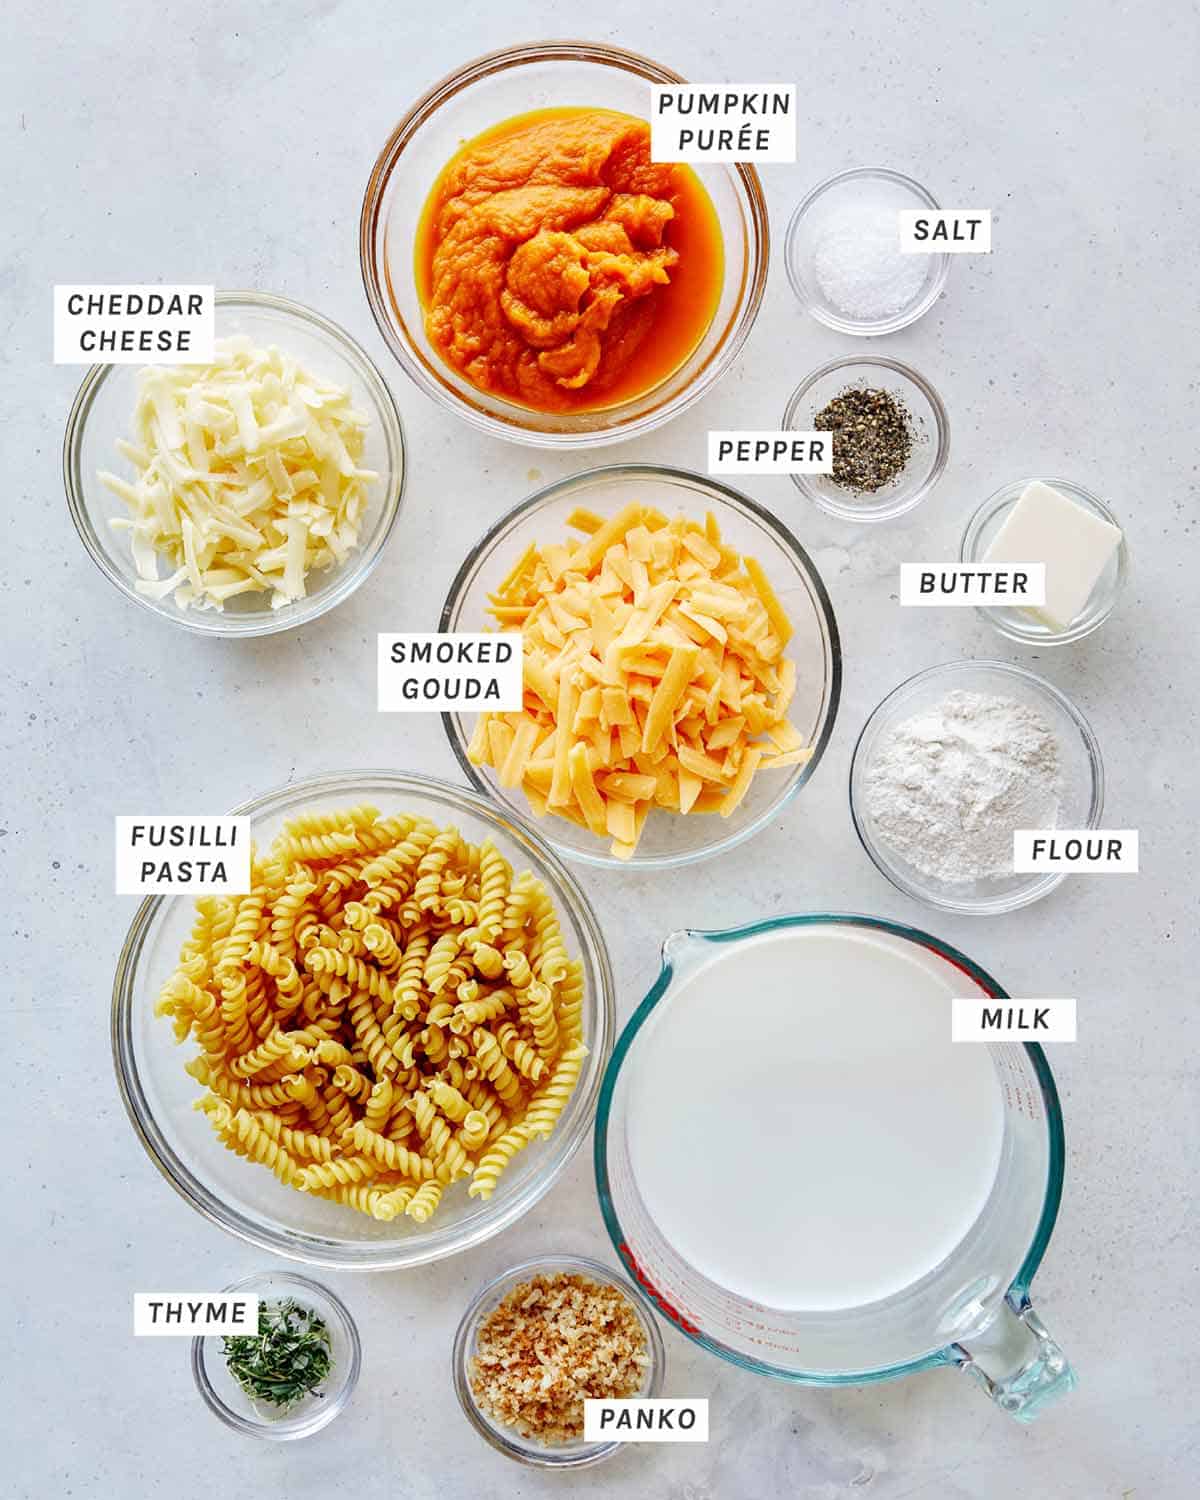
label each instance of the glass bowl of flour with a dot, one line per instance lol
(956, 760)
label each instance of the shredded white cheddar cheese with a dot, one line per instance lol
(654, 675)
(247, 477)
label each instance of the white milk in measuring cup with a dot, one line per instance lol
(816, 1080)
(812, 1179)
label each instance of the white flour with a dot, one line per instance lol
(947, 788)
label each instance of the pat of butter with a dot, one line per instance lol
(1047, 526)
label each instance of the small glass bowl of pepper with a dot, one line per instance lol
(891, 437)
(296, 1375)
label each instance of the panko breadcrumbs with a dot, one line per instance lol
(551, 1343)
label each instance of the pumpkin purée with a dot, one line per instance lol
(562, 269)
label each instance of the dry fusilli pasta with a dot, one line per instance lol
(388, 1011)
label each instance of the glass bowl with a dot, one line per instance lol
(225, 1397)
(1082, 775)
(507, 1440)
(1018, 624)
(481, 94)
(667, 840)
(893, 191)
(931, 436)
(103, 412)
(247, 1200)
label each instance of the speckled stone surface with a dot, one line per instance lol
(228, 143)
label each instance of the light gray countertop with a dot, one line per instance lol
(164, 142)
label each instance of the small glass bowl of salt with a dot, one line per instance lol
(843, 256)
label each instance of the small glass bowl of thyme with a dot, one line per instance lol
(295, 1374)
(891, 437)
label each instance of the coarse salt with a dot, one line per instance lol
(859, 265)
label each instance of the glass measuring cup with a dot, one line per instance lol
(971, 1311)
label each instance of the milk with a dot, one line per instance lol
(801, 1128)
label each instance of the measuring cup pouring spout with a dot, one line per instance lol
(683, 949)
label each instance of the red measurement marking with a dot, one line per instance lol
(648, 1286)
(962, 969)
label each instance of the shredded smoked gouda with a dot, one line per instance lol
(247, 477)
(654, 675)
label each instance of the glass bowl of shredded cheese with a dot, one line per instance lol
(682, 665)
(248, 495)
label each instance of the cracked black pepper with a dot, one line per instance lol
(872, 437)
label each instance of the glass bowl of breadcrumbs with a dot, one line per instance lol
(539, 1340)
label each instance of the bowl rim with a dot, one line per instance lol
(522, 1449)
(858, 327)
(355, 572)
(1008, 622)
(425, 374)
(376, 1256)
(790, 544)
(860, 512)
(1055, 1165)
(284, 1428)
(1037, 887)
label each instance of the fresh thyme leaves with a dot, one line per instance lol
(286, 1360)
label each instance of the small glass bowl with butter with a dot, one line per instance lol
(1099, 580)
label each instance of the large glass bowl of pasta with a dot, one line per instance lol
(682, 665)
(390, 1048)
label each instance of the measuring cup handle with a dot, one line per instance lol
(1017, 1363)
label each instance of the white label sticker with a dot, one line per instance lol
(1019, 584)
(723, 122)
(200, 855)
(444, 673)
(133, 325)
(948, 231)
(646, 1419)
(170, 1314)
(770, 452)
(977, 1020)
(1098, 851)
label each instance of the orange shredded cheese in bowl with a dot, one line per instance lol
(655, 675)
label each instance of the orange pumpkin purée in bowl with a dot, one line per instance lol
(562, 269)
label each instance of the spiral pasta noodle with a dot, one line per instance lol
(540, 1013)
(495, 1066)
(474, 1130)
(518, 1051)
(549, 1102)
(387, 1012)
(494, 1161)
(423, 1202)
